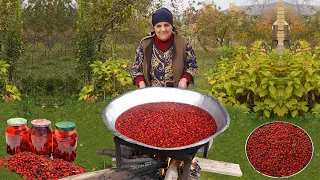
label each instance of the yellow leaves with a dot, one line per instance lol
(266, 113)
(309, 86)
(228, 88)
(3, 67)
(294, 74)
(239, 91)
(212, 81)
(235, 83)
(298, 92)
(242, 107)
(289, 90)
(263, 92)
(281, 111)
(266, 73)
(294, 113)
(232, 99)
(250, 71)
(292, 104)
(316, 109)
(281, 92)
(11, 91)
(222, 100)
(279, 85)
(253, 86)
(86, 92)
(271, 104)
(297, 81)
(272, 90)
(310, 71)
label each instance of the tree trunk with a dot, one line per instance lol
(0, 49)
(203, 46)
(112, 41)
(221, 43)
(1, 37)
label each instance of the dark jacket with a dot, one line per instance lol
(183, 60)
(179, 56)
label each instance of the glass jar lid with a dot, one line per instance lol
(17, 121)
(40, 123)
(66, 125)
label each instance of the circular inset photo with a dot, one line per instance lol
(279, 149)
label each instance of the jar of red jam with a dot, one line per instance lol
(40, 137)
(15, 135)
(65, 141)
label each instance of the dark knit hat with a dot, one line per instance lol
(162, 15)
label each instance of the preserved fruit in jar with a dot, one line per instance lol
(65, 141)
(15, 135)
(40, 137)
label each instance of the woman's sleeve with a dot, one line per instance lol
(136, 71)
(190, 65)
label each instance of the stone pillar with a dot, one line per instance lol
(280, 30)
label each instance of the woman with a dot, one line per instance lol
(164, 58)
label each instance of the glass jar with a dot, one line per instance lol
(40, 137)
(65, 141)
(15, 135)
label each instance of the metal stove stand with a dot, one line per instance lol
(185, 155)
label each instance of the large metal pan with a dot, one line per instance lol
(164, 94)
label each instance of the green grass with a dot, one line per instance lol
(40, 62)
(205, 61)
(59, 68)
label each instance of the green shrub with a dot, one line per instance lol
(3, 72)
(8, 92)
(85, 53)
(269, 83)
(11, 40)
(49, 86)
(110, 78)
(227, 51)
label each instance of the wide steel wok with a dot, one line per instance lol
(162, 94)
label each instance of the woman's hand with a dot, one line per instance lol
(183, 83)
(142, 84)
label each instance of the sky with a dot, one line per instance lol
(224, 4)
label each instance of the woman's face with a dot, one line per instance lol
(163, 30)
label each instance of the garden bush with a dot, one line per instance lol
(269, 83)
(227, 51)
(8, 92)
(110, 78)
(49, 86)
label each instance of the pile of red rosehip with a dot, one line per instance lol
(166, 124)
(31, 166)
(279, 149)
